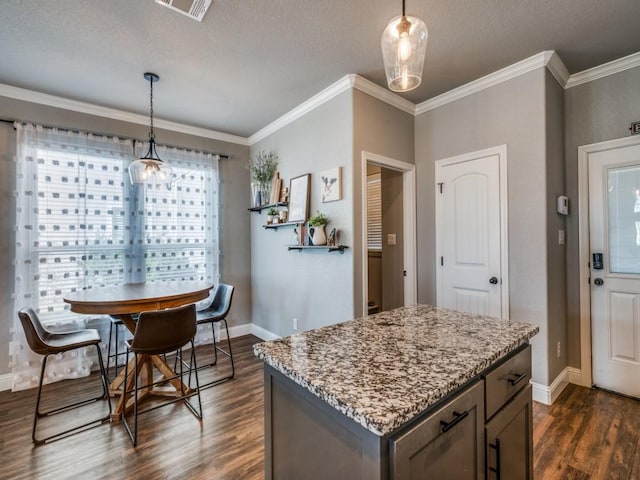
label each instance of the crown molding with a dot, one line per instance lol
(604, 70)
(32, 96)
(305, 107)
(382, 94)
(345, 83)
(556, 66)
(512, 71)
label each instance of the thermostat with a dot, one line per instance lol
(563, 205)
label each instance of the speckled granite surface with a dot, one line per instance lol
(383, 369)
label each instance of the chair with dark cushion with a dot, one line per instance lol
(217, 312)
(45, 342)
(159, 333)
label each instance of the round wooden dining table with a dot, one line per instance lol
(125, 300)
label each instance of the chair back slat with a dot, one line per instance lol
(164, 331)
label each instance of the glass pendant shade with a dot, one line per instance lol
(150, 169)
(404, 45)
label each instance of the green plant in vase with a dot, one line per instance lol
(317, 224)
(262, 169)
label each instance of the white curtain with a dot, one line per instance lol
(80, 223)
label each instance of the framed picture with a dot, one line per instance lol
(299, 191)
(331, 186)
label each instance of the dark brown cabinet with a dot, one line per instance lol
(448, 444)
(510, 440)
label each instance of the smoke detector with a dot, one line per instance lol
(194, 9)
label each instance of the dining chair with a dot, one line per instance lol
(217, 312)
(158, 333)
(116, 325)
(45, 342)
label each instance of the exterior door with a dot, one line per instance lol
(470, 232)
(614, 226)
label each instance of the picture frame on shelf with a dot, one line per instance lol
(299, 194)
(331, 184)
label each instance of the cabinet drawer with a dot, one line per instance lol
(504, 381)
(446, 444)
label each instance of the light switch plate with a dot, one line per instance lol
(391, 238)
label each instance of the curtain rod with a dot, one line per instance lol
(221, 155)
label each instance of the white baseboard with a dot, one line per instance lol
(575, 377)
(548, 394)
(5, 382)
(237, 331)
(263, 333)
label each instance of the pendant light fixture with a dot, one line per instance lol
(404, 45)
(150, 169)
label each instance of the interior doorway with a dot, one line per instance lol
(388, 213)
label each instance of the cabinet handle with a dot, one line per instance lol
(458, 418)
(496, 470)
(519, 376)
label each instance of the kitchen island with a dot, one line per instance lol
(400, 394)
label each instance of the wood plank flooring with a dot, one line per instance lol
(586, 435)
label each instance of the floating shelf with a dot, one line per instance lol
(329, 248)
(285, 224)
(262, 207)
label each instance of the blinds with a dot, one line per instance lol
(374, 212)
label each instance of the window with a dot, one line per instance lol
(80, 223)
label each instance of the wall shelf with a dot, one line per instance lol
(275, 226)
(263, 207)
(329, 248)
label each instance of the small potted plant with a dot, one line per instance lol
(272, 216)
(317, 224)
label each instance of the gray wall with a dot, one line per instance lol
(315, 287)
(511, 113)
(384, 130)
(556, 253)
(392, 255)
(235, 260)
(594, 112)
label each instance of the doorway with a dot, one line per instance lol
(610, 251)
(389, 232)
(471, 233)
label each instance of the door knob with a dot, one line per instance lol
(598, 281)
(493, 280)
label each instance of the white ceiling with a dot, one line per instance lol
(251, 61)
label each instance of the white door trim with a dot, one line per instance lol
(408, 218)
(584, 249)
(501, 151)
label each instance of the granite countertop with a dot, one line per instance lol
(384, 369)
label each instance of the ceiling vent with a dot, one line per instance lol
(194, 9)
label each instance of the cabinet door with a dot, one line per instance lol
(448, 444)
(510, 440)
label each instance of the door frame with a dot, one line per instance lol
(501, 152)
(584, 249)
(408, 221)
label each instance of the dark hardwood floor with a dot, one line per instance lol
(586, 435)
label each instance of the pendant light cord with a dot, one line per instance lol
(151, 134)
(403, 9)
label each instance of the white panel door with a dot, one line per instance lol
(614, 225)
(469, 235)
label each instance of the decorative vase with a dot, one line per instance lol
(317, 235)
(265, 193)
